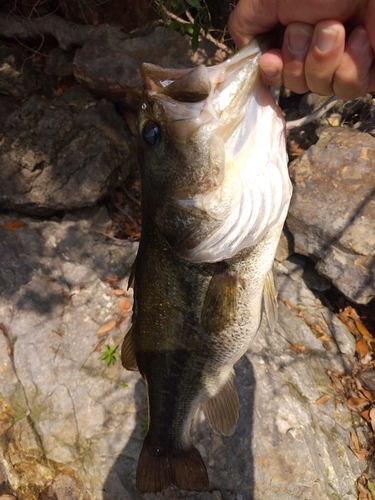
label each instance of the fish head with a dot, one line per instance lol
(201, 132)
(174, 125)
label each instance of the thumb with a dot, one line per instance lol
(250, 18)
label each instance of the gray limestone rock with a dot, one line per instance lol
(63, 153)
(332, 213)
(110, 65)
(70, 427)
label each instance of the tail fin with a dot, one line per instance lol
(156, 472)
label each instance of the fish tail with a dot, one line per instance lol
(185, 469)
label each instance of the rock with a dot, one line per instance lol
(18, 77)
(110, 66)
(60, 62)
(332, 213)
(286, 245)
(63, 153)
(71, 427)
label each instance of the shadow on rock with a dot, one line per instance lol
(229, 460)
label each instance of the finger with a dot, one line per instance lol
(296, 45)
(355, 75)
(325, 54)
(271, 68)
(249, 19)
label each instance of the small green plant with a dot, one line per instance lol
(196, 13)
(123, 384)
(144, 424)
(109, 355)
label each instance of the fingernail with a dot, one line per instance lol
(359, 39)
(298, 40)
(326, 39)
(270, 72)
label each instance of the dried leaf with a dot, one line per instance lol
(361, 454)
(366, 415)
(112, 279)
(357, 402)
(105, 328)
(125, 305)
(361, 347)
(323, 322)
(59, 91)
(362, 329)
(300, 349)
(355, 441)
(289, 305)
(367, 394)
(372, 418)
(323, 399)
(118, 291)
(13, 225)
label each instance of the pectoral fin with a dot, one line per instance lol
(127, 352)
(270, 299)
(220, 304)
(222, 410)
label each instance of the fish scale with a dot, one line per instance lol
(215, 193)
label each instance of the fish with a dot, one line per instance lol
(215, 195)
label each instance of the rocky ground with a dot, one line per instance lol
(72, 427)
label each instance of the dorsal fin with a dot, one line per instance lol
(222, 410)
(270, 299)
(127, 352)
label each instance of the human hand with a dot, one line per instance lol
(314, 53)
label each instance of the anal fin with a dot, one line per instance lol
(158, 471)
(127, 352)
(222, 410)
(270, 299)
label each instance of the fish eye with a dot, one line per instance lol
(151, 132)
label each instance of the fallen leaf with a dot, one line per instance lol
(366, 415)
(367, 394)
(118, 291)
(322, 400)
(13, 225)
(289, 305)
(105, 328)
(111, 279)
(323, 322)
(124, 305)
(300, 349)
(355, 441)
(372, 418)
(361, 347)
(59, 91)
(361, 454)
(362, 329)
(357, 402)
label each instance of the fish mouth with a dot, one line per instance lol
(216, 95)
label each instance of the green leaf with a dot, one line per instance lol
(188, 28)
(174, 25)
(177, 5)
(195, 3)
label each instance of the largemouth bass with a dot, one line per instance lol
(215, 194)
